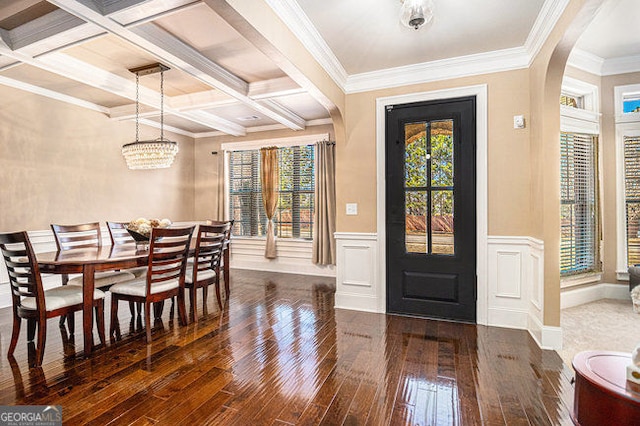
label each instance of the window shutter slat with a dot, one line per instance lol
(579, 221)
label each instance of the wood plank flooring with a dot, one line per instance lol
(279, 354)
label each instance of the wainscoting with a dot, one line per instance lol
(294, 256)
(514, 282)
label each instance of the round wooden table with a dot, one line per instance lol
(603, 396)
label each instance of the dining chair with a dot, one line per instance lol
(168, 251)
(119, 235)
(203, 269)
(32, 302)
(86, 235)
(226, 227)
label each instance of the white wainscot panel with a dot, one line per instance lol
(515, 288)
(357, 286)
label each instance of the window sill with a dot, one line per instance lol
(576, 280)
(293, 240)
(622, 275)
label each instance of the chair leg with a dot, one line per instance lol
(71, 322)
(218, 291)
(132, 309)
(100, 320)
(182, 314)
(193, 300)
(114, 327)
(17, 322)
(42, 338)
(31, 330)
(147, 320)
(205, 296)
(172, 310)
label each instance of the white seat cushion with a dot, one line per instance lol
(202, 275)
(139, 287)
(106, 278)
(139, 272)
(60, 297)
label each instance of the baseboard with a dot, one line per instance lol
(358, 302)
(588, 294)
(266, 266)
(545, 336)
(508, 318)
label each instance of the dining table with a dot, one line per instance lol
(88, 261)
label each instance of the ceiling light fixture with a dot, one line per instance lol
(416, 13)
(151, 154)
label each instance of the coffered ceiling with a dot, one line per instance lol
(79, 51)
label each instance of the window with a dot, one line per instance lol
(579, 204)
(573, 101)
(632, 197)
(294, 216)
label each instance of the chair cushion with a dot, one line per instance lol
(139, 272)
(105, 278)
(138, 287)
(202, 275)
(60, 297)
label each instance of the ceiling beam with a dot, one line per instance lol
(261, 90)
(175, 53)
(74, 69)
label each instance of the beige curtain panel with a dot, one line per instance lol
(324, 215)
(220, 195)
(270, 182)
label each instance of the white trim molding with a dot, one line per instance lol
(480, 92)
(579, 296)
(294, 257)
(502, 60)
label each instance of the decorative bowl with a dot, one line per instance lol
(138, 236)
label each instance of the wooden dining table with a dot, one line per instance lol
(87, 261)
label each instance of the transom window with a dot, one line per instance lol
(579, 204)
(294, 215)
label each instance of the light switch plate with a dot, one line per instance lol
(518, 121)
(352, 209)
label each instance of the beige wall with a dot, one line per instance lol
(508, 153)
(207, 177)
(62, 164)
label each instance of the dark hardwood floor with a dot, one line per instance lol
(280, 354)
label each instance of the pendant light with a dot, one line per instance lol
(151, 154)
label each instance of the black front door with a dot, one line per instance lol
(431, 209)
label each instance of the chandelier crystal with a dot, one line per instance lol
(150, 154)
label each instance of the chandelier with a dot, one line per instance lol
(151, 154)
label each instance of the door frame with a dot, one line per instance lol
(480, 92)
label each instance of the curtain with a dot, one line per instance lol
(219, 213)
(324, 215)
(270, 182)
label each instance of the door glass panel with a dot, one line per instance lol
(442, 153)
(416, 236)
(442, 227)
(415, 155)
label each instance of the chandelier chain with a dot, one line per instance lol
(162, 105)
(137, 107)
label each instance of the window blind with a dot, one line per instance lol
(294, 215)
(579, 203)
(632, 197)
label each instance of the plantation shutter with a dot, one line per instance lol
(245, 196)
(294, 215)
(632, 197)
(579, 209)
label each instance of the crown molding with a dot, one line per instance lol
(547, 19)
(502, 60)
(601, 67)
(621, 65)
(266, 128)
(445, 69)
(290, 12)
(586, 61)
